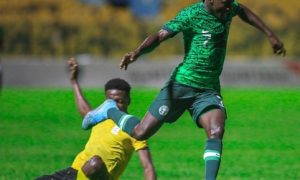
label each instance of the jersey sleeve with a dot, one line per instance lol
(179, 23)
(137, 145)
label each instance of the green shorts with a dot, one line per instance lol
(175, 98)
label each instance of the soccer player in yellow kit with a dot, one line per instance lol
(109, 149)
(113, 146)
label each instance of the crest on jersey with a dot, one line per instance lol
(115, 130)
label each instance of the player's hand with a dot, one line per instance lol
(127, 59)
(277, 45)
(73, 68)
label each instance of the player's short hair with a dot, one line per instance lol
(119, 84)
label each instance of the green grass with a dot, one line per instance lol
(40, 132)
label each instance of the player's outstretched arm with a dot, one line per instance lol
(249, 17)
(81, 103)
(146, 160)
(148, 45)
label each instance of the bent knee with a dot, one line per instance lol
(139, 135)
(147, 127)
(217, 131)
(143, 133)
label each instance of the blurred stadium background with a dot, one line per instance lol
(37, 37)
(40, 126)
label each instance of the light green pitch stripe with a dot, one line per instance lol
(123, 120)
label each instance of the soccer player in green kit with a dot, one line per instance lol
(194, 84)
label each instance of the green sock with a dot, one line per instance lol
(212, 158)
(125, 121)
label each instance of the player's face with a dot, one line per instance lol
(222, 8)
(120, 97)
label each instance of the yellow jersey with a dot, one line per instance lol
(114, 146)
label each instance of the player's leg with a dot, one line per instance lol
(167, 107)
(161, 110)
(95, 169)
(139, 129)
(209, 113)
(213, 122)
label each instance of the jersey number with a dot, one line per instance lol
(207, 37)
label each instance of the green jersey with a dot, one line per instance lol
(205, 38)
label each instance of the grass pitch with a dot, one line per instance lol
(40, 132)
